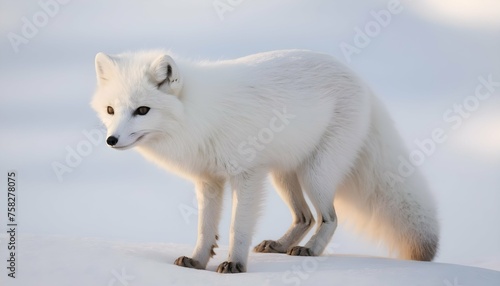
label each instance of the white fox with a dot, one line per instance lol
(300, 116)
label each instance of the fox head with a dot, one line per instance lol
(137, 97)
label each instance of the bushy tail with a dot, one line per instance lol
(387, 198)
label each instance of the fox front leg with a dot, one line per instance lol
(209, 194)
(247, 191)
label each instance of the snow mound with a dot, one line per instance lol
(49, 260)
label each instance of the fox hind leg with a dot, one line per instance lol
(288, 187)
(319, 177)
(320, 191)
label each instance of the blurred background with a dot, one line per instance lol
(430, 61)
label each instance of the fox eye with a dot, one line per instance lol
(142, 110)
(111, 111)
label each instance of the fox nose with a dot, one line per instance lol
(112, 140)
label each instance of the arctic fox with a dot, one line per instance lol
(300, 116)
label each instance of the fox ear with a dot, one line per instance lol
(103, 67)
(165, 75)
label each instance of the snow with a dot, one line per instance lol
(116, 211)
(56, 260)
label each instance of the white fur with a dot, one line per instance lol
(298, 115)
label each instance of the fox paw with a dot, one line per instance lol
(299, 251)
(231, 267)
(269, 246)
(185, 261)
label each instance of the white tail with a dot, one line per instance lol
(385, 204)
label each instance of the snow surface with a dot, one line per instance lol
(115, 210)
(89, 261)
